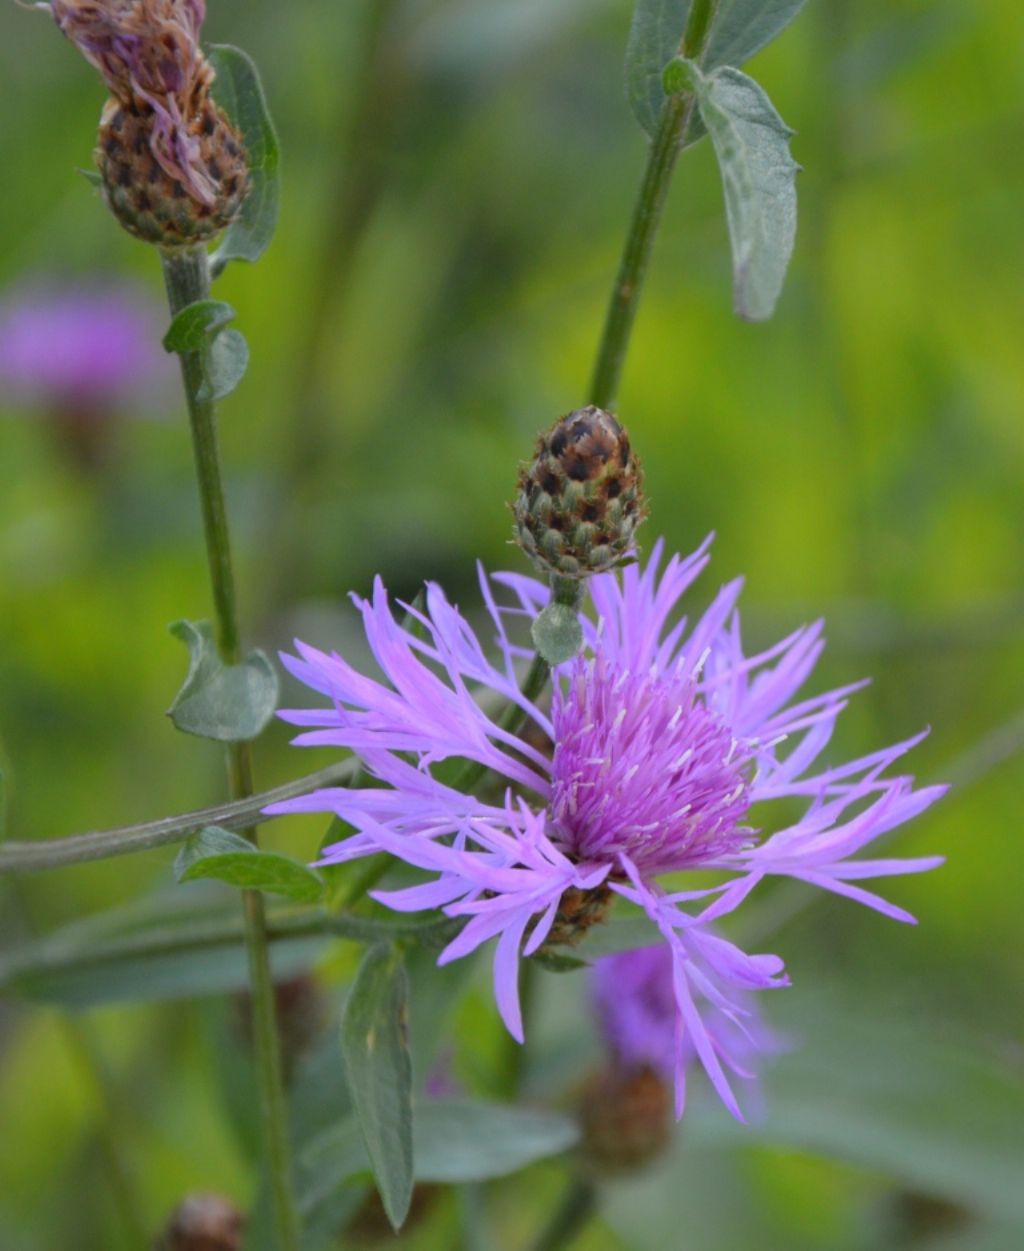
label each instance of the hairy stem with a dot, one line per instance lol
(187, 278)
(239, 814)
(650, 202)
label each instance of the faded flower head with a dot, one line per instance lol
(173, 166)
(203, 1222)
(661, 741)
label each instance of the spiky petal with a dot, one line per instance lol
(666, 737)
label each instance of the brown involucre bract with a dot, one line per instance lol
(173, 166)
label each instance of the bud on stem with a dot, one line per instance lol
(580, 499)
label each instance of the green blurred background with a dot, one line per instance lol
(458, 175)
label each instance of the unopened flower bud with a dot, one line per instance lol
(172, 165)
(202, 1222)
(580, 499)
(626, 1118)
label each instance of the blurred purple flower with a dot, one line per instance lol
(85, 349)
(633, 999)
(663, 739)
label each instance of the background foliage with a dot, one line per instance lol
(451, 217)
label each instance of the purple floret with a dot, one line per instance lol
(664, 737)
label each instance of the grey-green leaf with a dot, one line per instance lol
(191, 329)
(239, 92)
(218, 853)
(740, 28)
(654, 38)
(464, 1140)
(455, 1141)
(174, 946)
(375, 1043)
(230, 703)
(759, 179)
(557, 633)
(224, 365)
(743, 27)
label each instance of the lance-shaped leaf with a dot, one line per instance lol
(739, 29)
(230, 703)
(375, 1043)
(759, 179)
(455, 1140)
(218, 853)
(239, 92)
(172, 946)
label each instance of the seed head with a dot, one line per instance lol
(202, 1222)
(580, 499)
(173, 167)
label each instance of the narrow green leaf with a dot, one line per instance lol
(464, 1140)
(218, 853)
(912, 1098)
(191, 329)
(455, 1140)
(239, 92)
(224, 365)
(759, 178)
(179, 946)
(557, 633)
(375, 1043)
(230, 703)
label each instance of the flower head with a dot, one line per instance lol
(664, 739)
(172, 165)
(88, 348)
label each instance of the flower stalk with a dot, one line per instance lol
(650, 202)
(187, 279)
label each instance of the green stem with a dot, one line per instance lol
(650, 202)
(239, 814)
(570, 1217)
(118, 1164)
(187, 278)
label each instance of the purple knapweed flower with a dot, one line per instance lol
(635, 1005)
(85, 349)
(662, 739)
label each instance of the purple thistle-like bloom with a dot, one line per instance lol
(85, 349)
(633, 999)
(664, 738)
